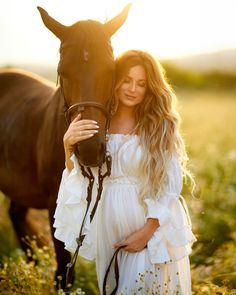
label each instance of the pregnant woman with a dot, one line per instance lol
(141, 211)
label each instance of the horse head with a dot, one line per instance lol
(86, 71)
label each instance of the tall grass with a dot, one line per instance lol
(209, 121)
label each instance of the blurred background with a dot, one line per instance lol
(196, 43)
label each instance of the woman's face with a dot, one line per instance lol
(133, 87)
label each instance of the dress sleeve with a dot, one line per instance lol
(174, 238)
(70, 210)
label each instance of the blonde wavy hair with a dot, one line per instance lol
(157, 122)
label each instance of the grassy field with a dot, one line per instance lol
(209, 121)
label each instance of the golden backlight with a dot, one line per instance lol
(166, 28)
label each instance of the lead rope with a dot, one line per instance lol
(105, 287)
(71, 265)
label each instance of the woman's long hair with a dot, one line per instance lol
(157, 122)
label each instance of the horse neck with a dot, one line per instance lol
(54, 124)
(50, 141)
(55, 110)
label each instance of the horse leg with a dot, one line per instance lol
(18, 215)
(62, 256)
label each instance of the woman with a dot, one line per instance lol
(141, 209)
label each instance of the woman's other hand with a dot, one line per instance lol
(138, 240)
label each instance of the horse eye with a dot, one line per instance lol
(62, 72)
(59, 70)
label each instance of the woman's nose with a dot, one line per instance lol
(132, 86)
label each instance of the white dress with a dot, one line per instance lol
(162, 267)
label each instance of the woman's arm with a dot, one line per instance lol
(150, 227)
(69, 164)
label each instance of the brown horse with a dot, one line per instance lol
(32, 122)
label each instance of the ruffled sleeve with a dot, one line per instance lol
(70, 210)
(174, 238)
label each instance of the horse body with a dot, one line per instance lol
(32, 122)
(23, 104)
(32, 125)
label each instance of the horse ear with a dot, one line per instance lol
(114, 24)
(54, 26)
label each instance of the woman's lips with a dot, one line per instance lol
(130, 96)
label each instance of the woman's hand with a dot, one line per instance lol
(138, 240)
(78, 130)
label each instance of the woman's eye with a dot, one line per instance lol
(142, 84)
(126, 80)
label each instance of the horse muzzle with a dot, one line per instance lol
(91, 152)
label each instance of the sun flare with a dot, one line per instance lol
(167, 28)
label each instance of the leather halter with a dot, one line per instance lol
(80, 107)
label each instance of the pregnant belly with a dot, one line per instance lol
(122, 213)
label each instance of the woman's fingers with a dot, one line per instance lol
(79, 130)
(85, 126)
(76, 139)
(119, 244)
(78, 135)
(77, 118)
(84, 132)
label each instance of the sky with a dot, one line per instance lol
(165, 28)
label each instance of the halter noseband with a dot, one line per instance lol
(80, 106)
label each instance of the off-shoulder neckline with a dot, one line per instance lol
(121, 134)
(121, 137)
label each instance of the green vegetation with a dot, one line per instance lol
(209, 126)
(213, 80)
(209, 130)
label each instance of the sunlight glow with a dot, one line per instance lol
(167, 28)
